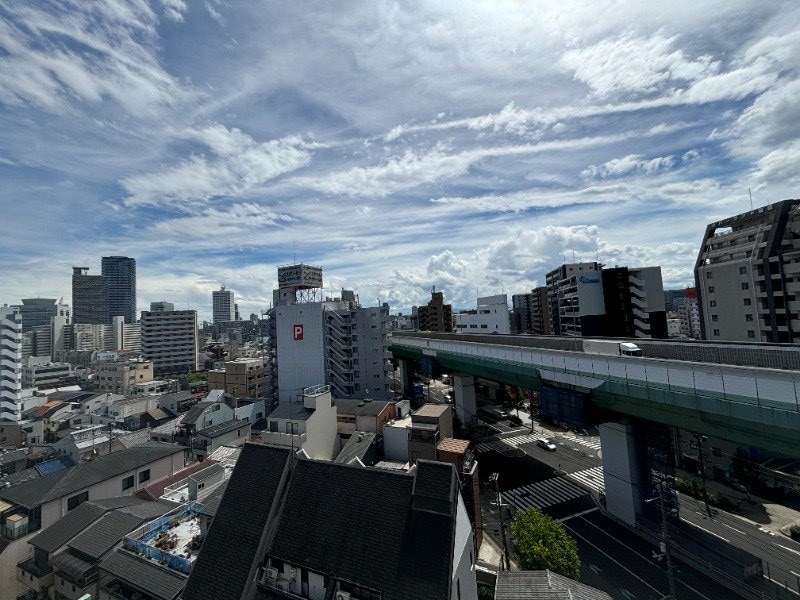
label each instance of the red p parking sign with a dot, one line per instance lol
(298, 332)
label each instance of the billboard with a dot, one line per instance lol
(299, 276)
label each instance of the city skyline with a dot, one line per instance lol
(473, 149)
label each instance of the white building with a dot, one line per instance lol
(308, 424)
(575, 295)
(169, 339)
(689, 315)
(491, 316)
(10, 364)
(39, 372)
(336, 341)
(127, 336)
(224, 306)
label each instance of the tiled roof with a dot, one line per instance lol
(194, 413)
(108, 531)
(431, 410)
(223, 428)
(67, 527)
(544, 585)
(71, 565)
(356, 447)
(242, 516)
(453, 445)
(144, 574)
(34, 492)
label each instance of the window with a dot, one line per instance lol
(273, 426)
(711, 289)
(77, 499)
(127, 483)
(716, 332)
(144, 476)
(748, 317)
(745, 285)
(709, 275)
(712, 303)
(751, 333)
(747, 302)
(714, 318)
(742, 270)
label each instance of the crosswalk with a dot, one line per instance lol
(514, 441)
(592, 443)
(589, 478)
(557, 490)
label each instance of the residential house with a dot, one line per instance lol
(201, 416)
(228, 433)
(522, 585)
(362, 415)
(429, 425)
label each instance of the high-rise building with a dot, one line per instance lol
(127, 336)
(688, 315)
(575, 296)
(169, 339)
(89, 297)
(634, 302)
(223, 305)
(436, 315)
(36, 312)
(522, 305)
(748, 276)
(121, 274)
(540, 312)
(336, 341)
(10, 363)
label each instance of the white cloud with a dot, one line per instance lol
(174, 9)
(629, 164)
(232, 224)
(240, 166)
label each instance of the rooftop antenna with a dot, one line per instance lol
(751, 198)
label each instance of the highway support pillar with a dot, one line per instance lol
(464, 398)
(406, 373)
(621, 471)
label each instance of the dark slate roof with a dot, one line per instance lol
(177, 396)
(13, 456)
(545, 585)
(261, 424)
(67, 527)
(242, 516)
(360, 408)
(356, 447)
(434, 486)
(105, 533)
(194, 413)
(211, 502)
(223, 428)
(35, 492)
(71, 565)
(291, 410)
(144, 574)
(334, 521)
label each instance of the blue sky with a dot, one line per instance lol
(470, 146)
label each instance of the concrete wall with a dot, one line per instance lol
(322, 441)
(395, 440)
(464, 587)
(301, 362)
(621, 471)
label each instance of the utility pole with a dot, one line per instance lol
(504, 561)
(665, 549)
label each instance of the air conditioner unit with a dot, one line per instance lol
(272, 573)
(342, 595)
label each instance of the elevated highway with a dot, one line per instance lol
(746, 402)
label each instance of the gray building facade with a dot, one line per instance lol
(121, 274)
(89, 297)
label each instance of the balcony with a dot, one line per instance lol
(296, 440)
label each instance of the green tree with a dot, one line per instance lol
(541, 542)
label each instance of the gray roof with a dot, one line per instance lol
(211, 502)
(67, 527)
(144, 575)
(38, 491)
(356, 447)
(222, 428)
(360, 408)
(194, 413)
(71, 565)
(105, 533)
(545, 585)
(291, 410)
(176, 396)
(12, 456)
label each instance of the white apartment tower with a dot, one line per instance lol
(10, 364)
(223, 305)
(335, 341)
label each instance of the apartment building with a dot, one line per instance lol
(169, 340)
(689, 316)
(118, 377)
(748, 276)
(223, 305)
(241, 378)
(40, 372)
(575, 299)
(540, 312)
(436, 315)
(10, 364)
(522, 305)
(120, 272)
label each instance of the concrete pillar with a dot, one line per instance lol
(406, 374)
(621, 472)
(464, 398)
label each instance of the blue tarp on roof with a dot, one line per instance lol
(55, 465)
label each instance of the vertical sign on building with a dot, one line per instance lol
(298, 332)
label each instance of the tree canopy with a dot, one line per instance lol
(541, 542)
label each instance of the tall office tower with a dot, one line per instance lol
(89, 297)
(748, 276)
(575, 299)
(10, 363)
(436, 315)
(161, 306)
(634, 302)
(335, 341)
(223, 306)
(121, 274)
(540, 312)
(169, 339)
(522, 305)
